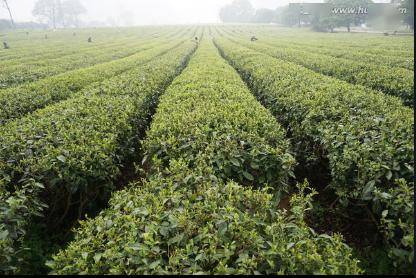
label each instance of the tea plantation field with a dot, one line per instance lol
(230, 149)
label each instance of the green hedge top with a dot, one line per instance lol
(175, 225)
(367, 136)
(186, 220)
(19, 101)
(209, 117)
(72, 152)
(393, 81)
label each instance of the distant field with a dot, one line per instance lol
(235, 149)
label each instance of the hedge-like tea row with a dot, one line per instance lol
(28, 72)
(215, 119)
(69, 45)
(14, 75)
(356, 55)
(393, 81)
(187, 220)
(375, 44)
(63, 42)
(72, 151)
(16, 102)
(371, 133)
(17, 74)
(335, 49)
(367, 137)
(177, 225)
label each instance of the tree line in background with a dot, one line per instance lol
(7, 24)
(66, 13)
(49, 13)
(57, 13)
(242, 11)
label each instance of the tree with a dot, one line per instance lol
(49, 10)
(286, 16)
(325, 24)
(57, 13)
(264, 16)
(6, 5)
(71, 10)
(239, 11)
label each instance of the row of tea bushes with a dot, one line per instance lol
(188, 217)
(177, 225)
(14, 75)
(334, 49)
(393, 81)
(66, 47)
(209, 115)
(405, 62)
(64, 43)
(20, 74)
(373, 44)
(71, 153)
(367, 137)
(17, 102)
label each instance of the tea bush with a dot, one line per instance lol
(188, 217)
(367, 137)
(174, 225)
(19, 101)
(74, 150)
(393, 81)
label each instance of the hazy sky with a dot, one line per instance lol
(147, 11)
